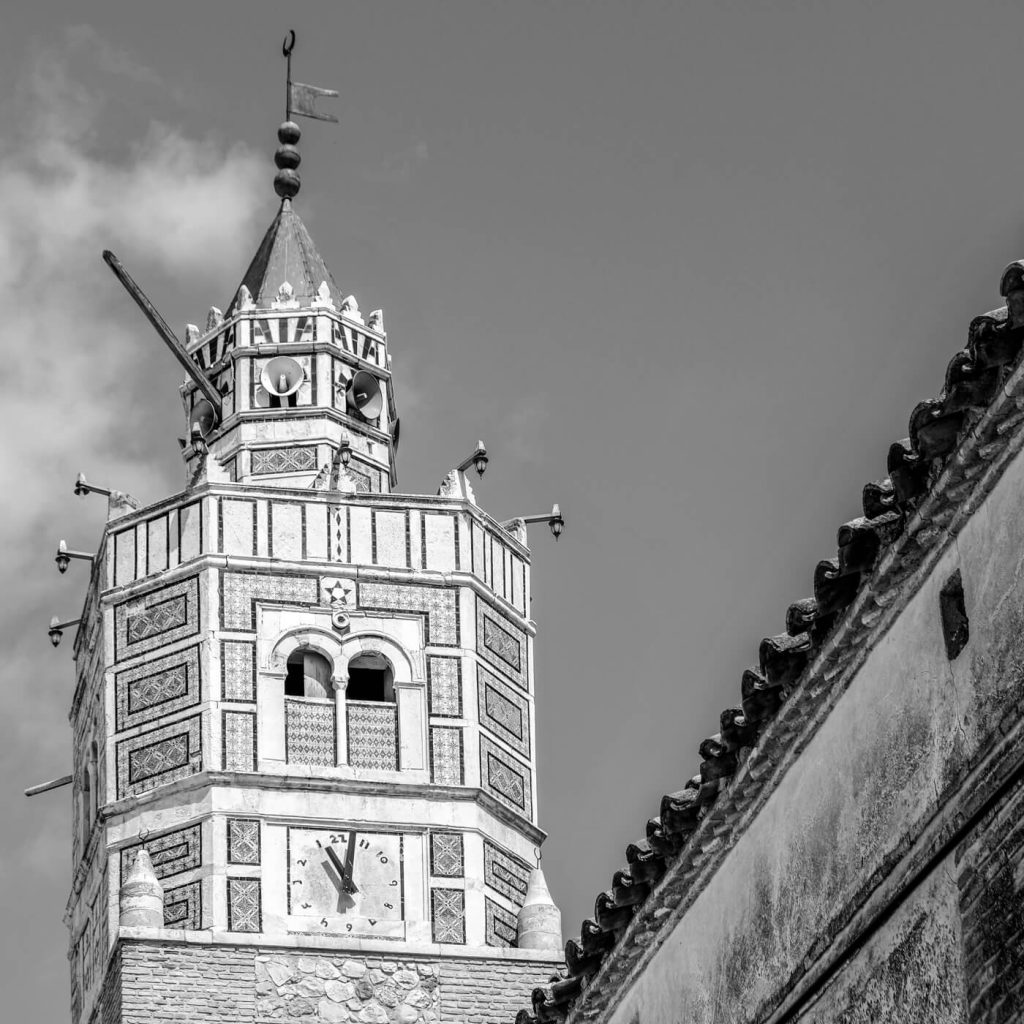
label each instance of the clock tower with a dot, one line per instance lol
(304, 733)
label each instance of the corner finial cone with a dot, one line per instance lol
(142, 895)
(540, 921)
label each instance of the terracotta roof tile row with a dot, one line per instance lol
(974, 379)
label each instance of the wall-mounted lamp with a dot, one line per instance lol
(56, 630)
(83, 487)
(198, 440)
(478, 460)
(554, 519)
(64, 556)
(345, 452)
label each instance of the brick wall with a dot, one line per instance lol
(488, 991)
(151, 982)
(992, 909)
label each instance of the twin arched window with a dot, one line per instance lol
(371, 677)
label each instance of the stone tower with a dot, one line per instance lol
(308, 698)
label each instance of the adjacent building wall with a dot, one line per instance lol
(884, 877)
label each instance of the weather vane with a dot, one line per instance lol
(302, 98)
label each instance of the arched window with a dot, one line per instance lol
(371, 677)
(309, 675)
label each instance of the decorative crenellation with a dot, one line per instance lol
(241, 590)
(171, 853)
(500, 925)
(239, 741)
(446, 756)
(158, 688)
(299, 459)
(446, 855)
(245, 905)
(506, 778)
(503, 710)
(156, 619)
(501, 644)
(310, 732)
(439, 604)
(444, 686)
(238, 670)
(159, 756)
(505, 873)
(244, 843)
(183, 906)
(373, 735)
(448, 915)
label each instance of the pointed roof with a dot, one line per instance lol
(287, 253)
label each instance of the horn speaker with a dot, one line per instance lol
(282, 377)
(364, 395)
(204, 416)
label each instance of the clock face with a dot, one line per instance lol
(346, 881)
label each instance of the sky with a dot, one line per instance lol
(685, 268)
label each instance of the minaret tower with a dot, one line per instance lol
(308, 699)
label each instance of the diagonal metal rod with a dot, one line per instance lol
(177, 349)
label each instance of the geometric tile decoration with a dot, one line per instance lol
(504, 711)
(238, 670)
(372, 735)
(448, 915)
(283, 330)
(283, 460)
(157, 618)
(243, 841)
(501, 644)
(158, 756)
(241, 590)
(446, 757)
(505, 778)
(157, 687)
(310, 732)
(244, 905)
(499, 925)
(505, 874)
(439, 604)
(183, 906)
(363, 480)
(239, 741)
(171, 853)
(444, 685)
(446, 854)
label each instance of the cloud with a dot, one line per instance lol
(400, 168)
(522, 430)
(78, 360)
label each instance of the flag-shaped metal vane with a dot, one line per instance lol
(302, 98)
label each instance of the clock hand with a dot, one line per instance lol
(347, 885)
(350, 859)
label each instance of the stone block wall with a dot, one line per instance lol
(154, 982)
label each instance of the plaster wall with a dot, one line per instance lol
(892, 756)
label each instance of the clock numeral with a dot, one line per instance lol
(348, 927)
(364, 844)
(306, 906)
(302, 861)
(323, 921)
(371, 920)
(389, 906)
(318, 843)
(383, 859)
(296, 881)
(394, 881)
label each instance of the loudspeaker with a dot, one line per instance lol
(364, 395)
(203, 416)
(282, 376)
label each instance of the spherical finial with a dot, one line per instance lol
(287, 181)
(289, 133)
